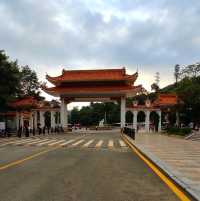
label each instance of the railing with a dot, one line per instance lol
(129, 131)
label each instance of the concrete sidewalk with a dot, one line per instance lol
(178, 157)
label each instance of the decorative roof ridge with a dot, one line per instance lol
(86, 70)
(92, 75)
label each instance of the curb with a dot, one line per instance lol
(165, 169)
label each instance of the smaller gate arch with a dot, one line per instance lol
(143, 114)
(141, 119)
(129, 117)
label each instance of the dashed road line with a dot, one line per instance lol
(77, 143)
(88, 143)
(122, 144)
(110, 143)
(44, 143)
(55, 143)
(10, 142)
(98, 145)
(66, 143)
(36, 141)
(22, 141)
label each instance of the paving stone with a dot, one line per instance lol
(180, 155)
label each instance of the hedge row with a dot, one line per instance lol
(179, 131)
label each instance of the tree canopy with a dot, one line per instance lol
(93, 114)
(188, 90)
(9, 79)
(16, 81)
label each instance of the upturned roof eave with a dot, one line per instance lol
(63, 77)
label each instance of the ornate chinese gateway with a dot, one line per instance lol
(92, 85)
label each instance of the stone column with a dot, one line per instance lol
(53, 125)
(31, 121)
(22, 121)
(177, 119)
(123, 111)
(42, 119)
(135, 113)
(147, 113)
(35, 117)
(17, 120)
(160, 121)
(63, 115)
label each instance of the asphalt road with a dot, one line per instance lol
(74, 173)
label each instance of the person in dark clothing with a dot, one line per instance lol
(26, 131)
(48, 129)
(39, 129)
(44, 128)
(19, 134)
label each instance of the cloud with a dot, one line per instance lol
(154, 35)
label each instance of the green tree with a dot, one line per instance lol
(75, 116)
(29, 83)
(155, 87)
(9, 79)
(177, 72)
(188, 90)
(192, 70)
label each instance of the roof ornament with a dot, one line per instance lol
(43, 85)
(124, 70)
(137, 71)
(63, 71)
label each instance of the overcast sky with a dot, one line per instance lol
(151, 35)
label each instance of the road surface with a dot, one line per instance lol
(79, 167)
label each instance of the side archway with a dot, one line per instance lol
(141, 121)
(129, 117)
(154, 121)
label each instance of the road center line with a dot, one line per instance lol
(18, 162)
(3, 167)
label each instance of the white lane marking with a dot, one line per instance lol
(110, 143)
(99, 144)
(77, 143)
(88, 143)
(22, 141)
(122, 144)
(8, 139)
(54, 143)
(47, 142)
(7, 143)
(68, 142)
(36, 141)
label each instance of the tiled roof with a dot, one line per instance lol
(88, 89)
(166, 99)
(92, 75)
(24, 102)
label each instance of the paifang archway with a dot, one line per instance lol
(90, 86)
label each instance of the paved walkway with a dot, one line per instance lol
(181, 157)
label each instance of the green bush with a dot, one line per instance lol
(179, 131)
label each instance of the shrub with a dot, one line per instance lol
(179, 131)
